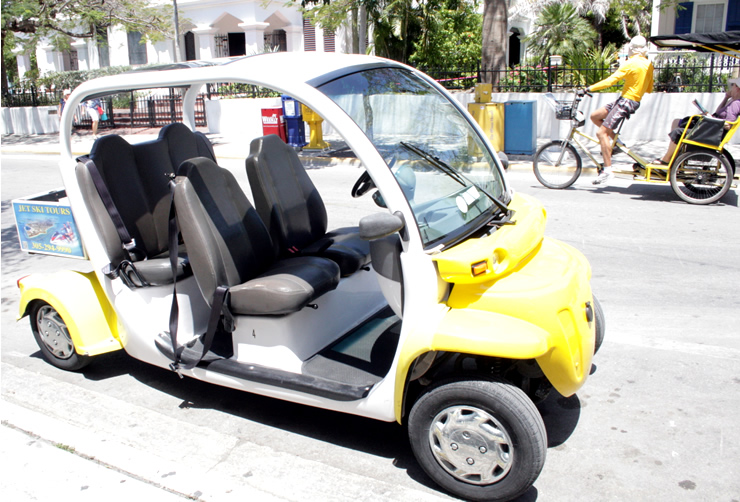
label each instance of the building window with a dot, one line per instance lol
(102, 43)
(69, 61)
(709, 17)
(136, 50)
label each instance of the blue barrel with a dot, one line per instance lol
(296, 130)
(520, 127)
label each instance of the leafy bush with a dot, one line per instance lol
(524, 78)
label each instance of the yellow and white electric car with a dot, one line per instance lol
(445, 309)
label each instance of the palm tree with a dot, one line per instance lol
(560, 30)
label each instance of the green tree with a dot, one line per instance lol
(25, 22)
(449, 35)
(395, 23)
(559, 29)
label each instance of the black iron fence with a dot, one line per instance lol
(674, 72)
(30, 96)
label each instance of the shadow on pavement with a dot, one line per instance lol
(382, 439)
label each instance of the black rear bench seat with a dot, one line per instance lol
(137, 178)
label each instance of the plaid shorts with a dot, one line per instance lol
(619, 110)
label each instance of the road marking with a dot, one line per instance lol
(695, 349)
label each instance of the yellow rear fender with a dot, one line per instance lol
(79, 299)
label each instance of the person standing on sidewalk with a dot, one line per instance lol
(93, 107)
(637, 73)
(63, 101)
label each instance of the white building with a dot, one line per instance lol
(208, 29)
(698, 16)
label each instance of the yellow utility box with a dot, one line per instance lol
(490, 116)
(316, 135)
(483, 93)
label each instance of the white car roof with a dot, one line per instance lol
(278, 70)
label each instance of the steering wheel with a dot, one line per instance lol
(363, 184)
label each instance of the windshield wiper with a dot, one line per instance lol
(460, 178)
(442, 166)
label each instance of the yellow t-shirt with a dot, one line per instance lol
(637, 73)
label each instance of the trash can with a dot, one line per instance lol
(273, 122)
(490, 117)
(295, 130)
(520, 127)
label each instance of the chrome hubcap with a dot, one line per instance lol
(54, 333)
(471, 444)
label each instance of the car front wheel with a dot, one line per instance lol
(478, 439)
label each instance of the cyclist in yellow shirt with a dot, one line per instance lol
(637, 73)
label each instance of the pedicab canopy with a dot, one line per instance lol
(726, 42)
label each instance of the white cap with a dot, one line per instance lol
(638, 45)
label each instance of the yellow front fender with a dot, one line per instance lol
(79, 299)
(470, 331)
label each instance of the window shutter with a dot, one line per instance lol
(684, 18)
(309, 35)
(733, 15)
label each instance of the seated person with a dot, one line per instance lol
(728, 110)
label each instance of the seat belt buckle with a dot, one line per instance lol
(130, 246)
(176, 368)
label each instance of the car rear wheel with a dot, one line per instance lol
(478, 439)
(52, 336)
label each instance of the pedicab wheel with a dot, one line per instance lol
(478, 439)
(52, 336)
(554, 170)
(701, 177)
(600, 325)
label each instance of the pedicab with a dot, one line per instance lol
(445, 309)
(700, 171)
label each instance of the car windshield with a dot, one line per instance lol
(448, 176)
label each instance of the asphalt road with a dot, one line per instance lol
(656, 420)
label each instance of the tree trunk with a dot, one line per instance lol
(495, 29)
(355, 31)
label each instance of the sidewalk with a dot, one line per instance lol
(47, 459)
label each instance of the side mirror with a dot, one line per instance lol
(504, 160)
(379, 225)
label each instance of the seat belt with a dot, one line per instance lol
(219, 302)
(128, 242)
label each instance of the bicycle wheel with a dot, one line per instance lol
(701, 177)
(554, 170)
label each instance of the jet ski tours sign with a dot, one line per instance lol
(46, 225)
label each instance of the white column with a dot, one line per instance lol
(294, 38)
(254, 36)
(204, 43)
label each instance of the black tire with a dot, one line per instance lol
(701, 177)
(554, 174)
(52, 337)
(600, 325)
(478, 439)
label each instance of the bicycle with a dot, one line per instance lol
(699, 172)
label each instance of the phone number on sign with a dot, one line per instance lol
(51, 248)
